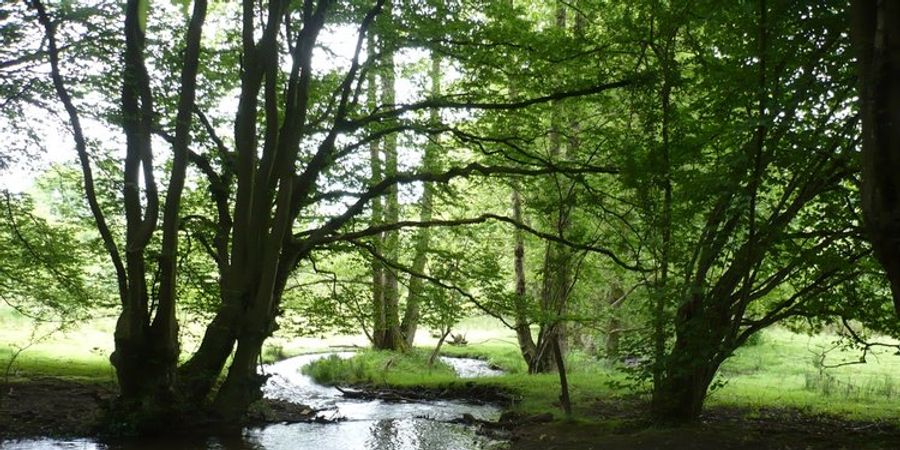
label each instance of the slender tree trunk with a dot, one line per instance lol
(665, 57)
(393, 339)
(564, 400)
(426, 204)
(437, 348)
(522, 324)
(557, 258)
(375, 164)
(614, 331)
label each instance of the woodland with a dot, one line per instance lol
(629, 198)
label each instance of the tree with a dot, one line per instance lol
(296, 134)
(876, 42)
(755, 148)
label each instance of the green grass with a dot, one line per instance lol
(381, 368)
(77, 352)
(500, 355)
(537, 393)
(782, 370)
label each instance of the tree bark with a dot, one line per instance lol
(876, 37)
(393, 338)
(410, 320)
(375, 164)
(614, 331)
(522, 323)
(690, 367)
(557, 267)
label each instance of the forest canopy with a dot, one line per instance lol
(656, 181)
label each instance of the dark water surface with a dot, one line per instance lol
(366, 424)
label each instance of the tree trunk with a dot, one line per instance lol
(614, 332)
(680, 395)
(564, 400)
(522, 323)
(877, 41)
(198, 375)
(557, 277)
(393, 338)
(375, 164)
(701, 344)
(690, 368)
(665, 56)
(426, 204)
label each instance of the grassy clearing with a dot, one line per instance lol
(76, 352)
(783, 370)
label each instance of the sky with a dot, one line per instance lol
(340, 41)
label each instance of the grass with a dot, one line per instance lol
(381, 368)
(783, 369)
(80, 352)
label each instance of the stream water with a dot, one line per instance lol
(364, 424)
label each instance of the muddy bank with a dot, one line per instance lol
(478, 394)
(52, 407)
(69, 409)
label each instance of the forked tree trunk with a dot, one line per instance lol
(700, 347)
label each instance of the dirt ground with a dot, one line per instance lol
(719, 429)
(63, 408)
(52, 407)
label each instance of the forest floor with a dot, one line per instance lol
(67, 408)
(782, 392)
(720, 429)
(45, 406)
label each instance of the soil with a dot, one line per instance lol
(623, 425)
(467, 391)
(61, 408)
(50, 407)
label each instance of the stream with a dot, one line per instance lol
(363, 424)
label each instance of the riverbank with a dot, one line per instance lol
(52, 407)
(67, 408)
(604, 419)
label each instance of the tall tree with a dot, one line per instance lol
(273, 196)
(877, 43)
(414, 298)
